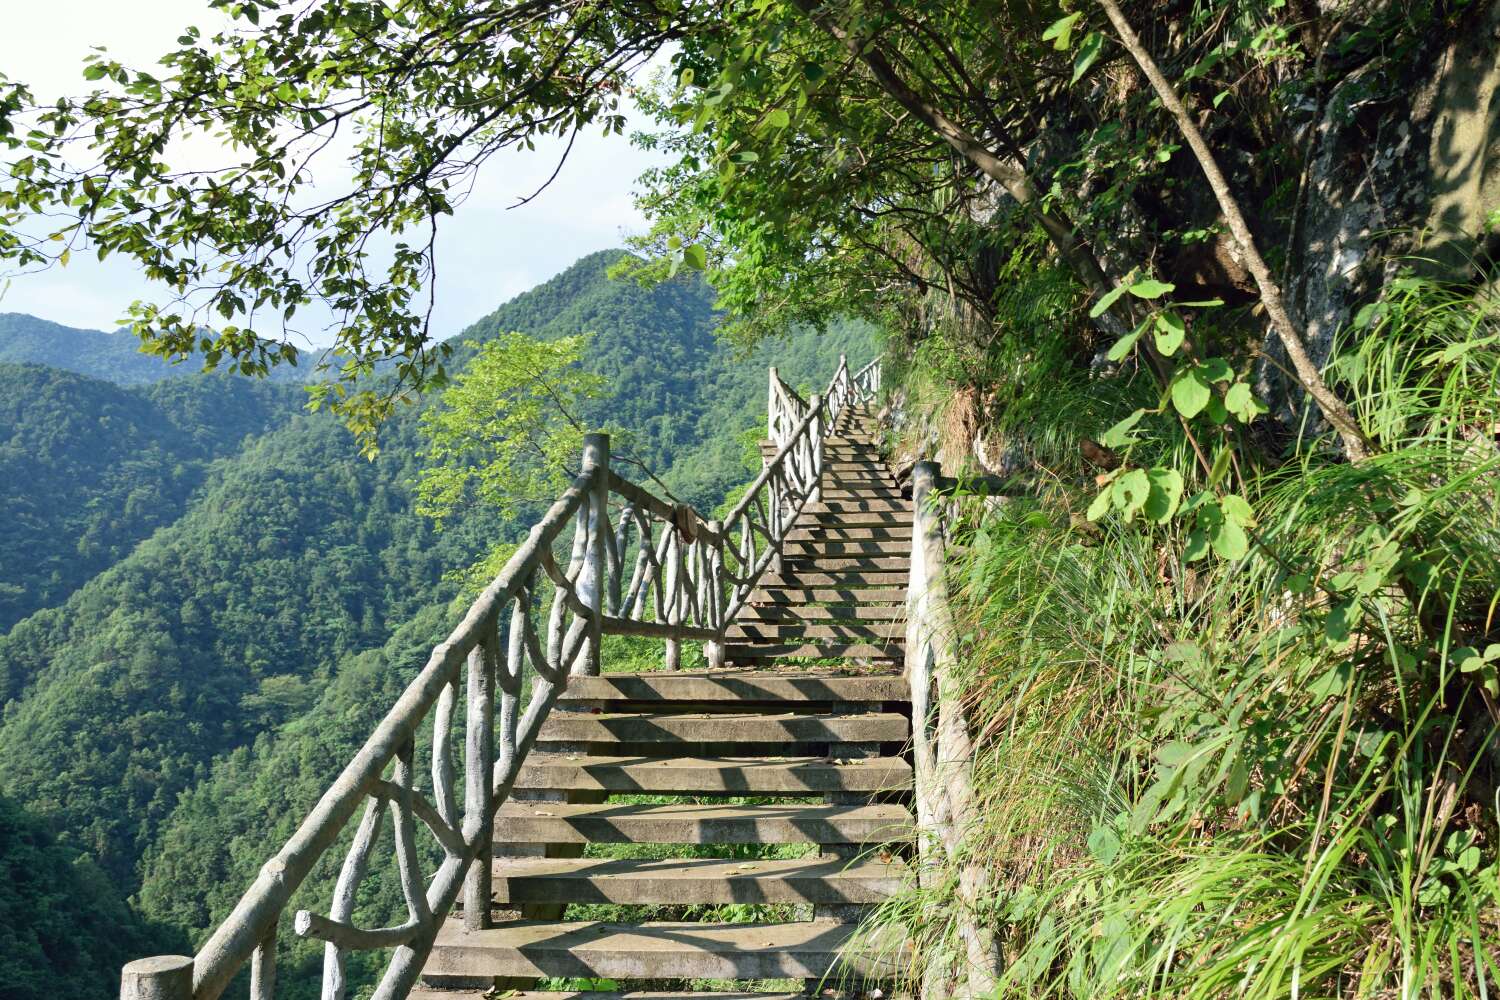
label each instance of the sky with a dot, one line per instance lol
(487, 252)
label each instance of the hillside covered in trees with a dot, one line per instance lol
(257, 577)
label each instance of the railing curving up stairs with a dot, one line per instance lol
(808, 566)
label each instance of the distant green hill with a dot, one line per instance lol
(115, 357)
(88, 469)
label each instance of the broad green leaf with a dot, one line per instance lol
(1216, 370)
(1166, 495)
(1120, 434)
(1100, 506)
(1060, 32)
(1105, 301)
(1236, 509)
(1170, 332)
(1125, 344)
(1088, 54)
(1240, 400)
(1196, 547)
(1150, 288)
(1230, 541)
(1131, 491)
(1190, 394)
(1104, 845)
(695, 256)
(778, 118)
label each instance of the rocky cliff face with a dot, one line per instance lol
(1402, 170)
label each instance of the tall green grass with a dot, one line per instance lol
(1273, 777)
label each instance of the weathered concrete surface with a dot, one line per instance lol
(695, 880)
(737, 685)
(686, 823)
(604, 727)
(808, 949)
(726, 775)
(877, 633)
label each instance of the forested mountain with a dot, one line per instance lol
(217, 673)
(675, 389)
(113, 356)
(88, 469)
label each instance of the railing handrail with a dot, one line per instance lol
(700, 573)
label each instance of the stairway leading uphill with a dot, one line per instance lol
(797, 741)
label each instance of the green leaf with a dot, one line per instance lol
(1236, 509)
(695, 256)
(1220, 466)
(1100, 506)
(1190, 394)
(1125, 344)
(1104, 845)
(1150, 288)
(1170, 332)
(1120, 434)
(1216, 370)
(1088, 54)
(1196, 547)
(1240, 400)
(1060, 32)
(778, 119)
(1166, 494)
(1230, 541)
(1131, 491)
(1105, 301)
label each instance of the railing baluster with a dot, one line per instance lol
(263, 968)
(408, 866)
(442, 753)
(342, 908)
(670, 607)
(479, 764)
(591, 579)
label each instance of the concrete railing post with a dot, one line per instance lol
(161, 977)
(591, 580)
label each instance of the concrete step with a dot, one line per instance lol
(714, 775)
(737, 686)
(858, 507)
(830, 563)
(853, 578)
(870, 548)
(796, 595)
(821, 613)
(828, 881)
(803, 950)
(690, 823)
(819, 521)
(899, 534)
(766, 653)
(754, 632)
(632, 727)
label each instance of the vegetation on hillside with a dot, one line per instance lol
(88, 470)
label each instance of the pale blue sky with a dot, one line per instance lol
(487, 253)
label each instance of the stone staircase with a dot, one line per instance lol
(797, 741)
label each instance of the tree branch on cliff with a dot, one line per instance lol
(1356, 445)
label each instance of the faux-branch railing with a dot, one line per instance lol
(689, 579)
